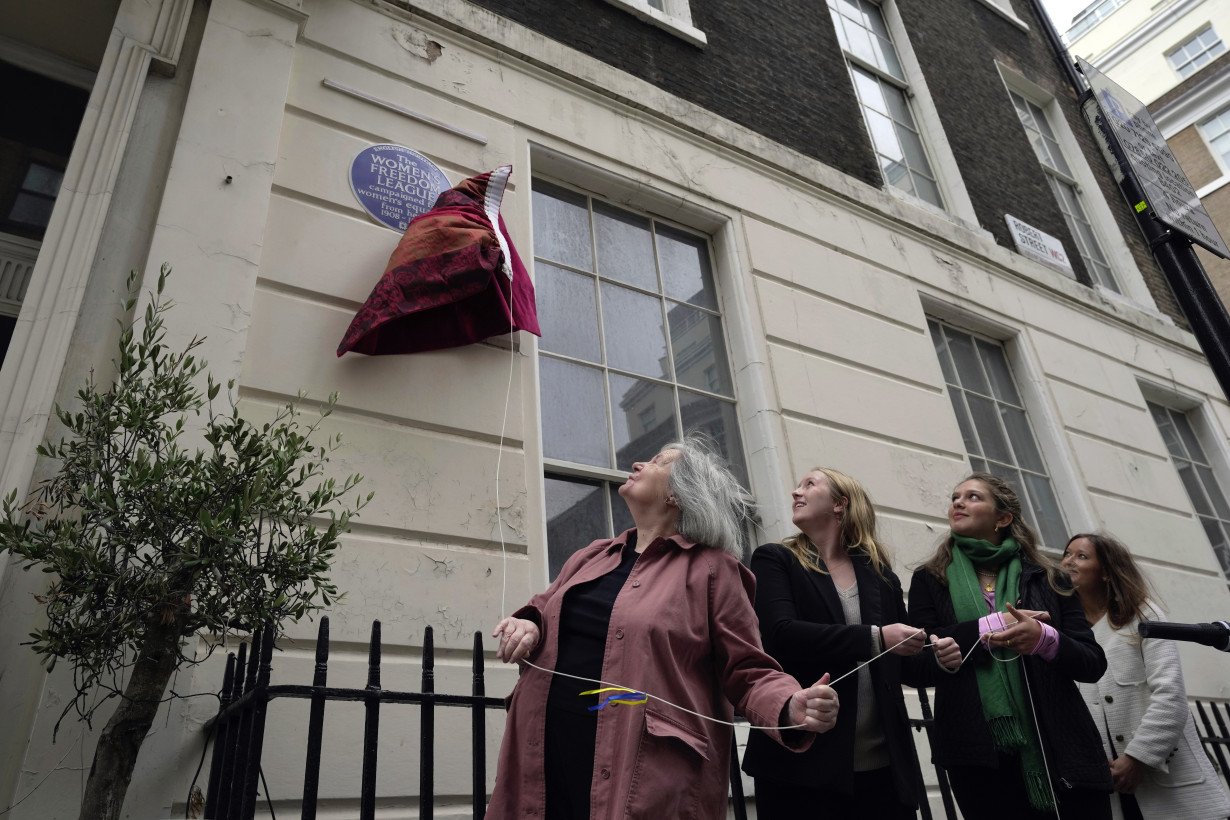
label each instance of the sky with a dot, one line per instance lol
(1062, 11)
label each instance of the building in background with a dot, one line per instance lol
(787, 224)
(1173, 57)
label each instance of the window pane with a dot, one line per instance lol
(643, 413)
(716, 419)
(941, 352)
(870, 91)
(42, 180)
(969, 370)
(1003, 387)
(635, 339)
(561, 226)
(1046, 516)
(696, 342)
(1194, 450)
(1213, 490)
(568, 313)
(911, 143)
(576, 515)
(1194, 491)
(1022, 439)
(29, 209)
(1217, 537)
(1169, 435)
(986, 422)
(574, 424)
(625, 247)
(684, 260)
(963, 421)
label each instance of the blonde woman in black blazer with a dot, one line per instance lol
(828, 600)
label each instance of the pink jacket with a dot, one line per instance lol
(682, 628)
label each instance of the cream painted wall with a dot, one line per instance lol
(1130, 46)
(826, 285)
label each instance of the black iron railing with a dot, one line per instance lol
(238, 731)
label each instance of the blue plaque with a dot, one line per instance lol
(395, 184)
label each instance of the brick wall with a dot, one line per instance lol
(1192, 152)
(957, 43)
(773, 67)
(777, 68)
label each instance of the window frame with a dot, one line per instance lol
(1091, 17)
(1201, 418)
(1059, 177)
(717, 231)
(1178, 68)
(1031, 427)
(674, 17)
(1222, 160)
(944, 168)
(1044, 418)
(1106, 229)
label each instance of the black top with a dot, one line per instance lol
(583, 622)
(1070, 738)
(803, 626)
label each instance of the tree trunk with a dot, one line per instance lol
(121, 739)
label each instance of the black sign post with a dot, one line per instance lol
(1167, 209)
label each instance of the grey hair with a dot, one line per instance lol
(713, 506)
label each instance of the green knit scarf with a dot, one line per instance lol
(1001, 685)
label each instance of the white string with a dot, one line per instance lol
(1041, 746)
(1037, 727)
(499, 517)
(707, 717)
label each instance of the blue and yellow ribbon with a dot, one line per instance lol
(626, 697)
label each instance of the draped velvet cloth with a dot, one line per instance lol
(454, 278)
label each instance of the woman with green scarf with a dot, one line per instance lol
(1010, 726)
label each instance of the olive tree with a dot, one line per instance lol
(169, 525)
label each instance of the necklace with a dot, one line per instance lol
(988, 581)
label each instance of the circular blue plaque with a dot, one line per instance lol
(395, 184)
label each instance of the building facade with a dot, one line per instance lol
(1172, 56)
(785, 224)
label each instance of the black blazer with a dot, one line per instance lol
(803, 626)
(1070, 738)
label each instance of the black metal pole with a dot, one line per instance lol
(478, 732)
(256, 738)
(427, 729)
(1197, 298)
(371, 728)
(316, 723)
(222, 740)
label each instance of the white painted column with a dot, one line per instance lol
(211, 224)
(211, 231)
(146, 32)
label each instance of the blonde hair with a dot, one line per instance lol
(858, 525)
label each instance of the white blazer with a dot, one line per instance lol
(1142, 704)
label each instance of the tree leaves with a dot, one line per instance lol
(139, 529)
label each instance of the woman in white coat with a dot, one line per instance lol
(1140, 705)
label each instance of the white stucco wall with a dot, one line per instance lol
(1130, 46)
(826, 284)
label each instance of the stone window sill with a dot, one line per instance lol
(683, 29)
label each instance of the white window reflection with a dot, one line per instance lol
(881, 87)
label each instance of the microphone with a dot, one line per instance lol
(1216, 634)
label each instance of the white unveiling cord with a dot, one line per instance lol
(707, 717)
